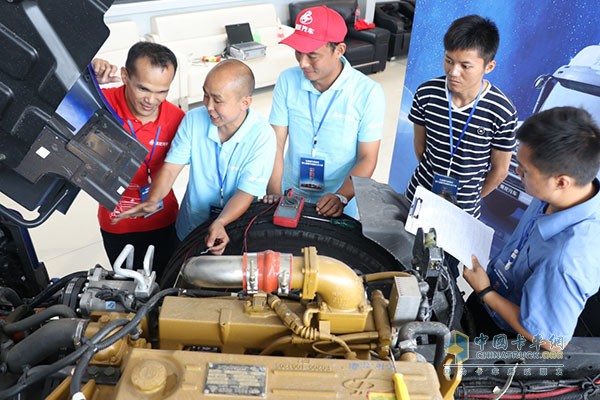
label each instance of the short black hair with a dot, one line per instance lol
(158, 55)
(473, 32)
(563, 141)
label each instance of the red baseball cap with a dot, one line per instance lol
(315, 27)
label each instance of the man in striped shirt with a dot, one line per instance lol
(473, 160)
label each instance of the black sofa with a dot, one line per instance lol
(397, 17)
(365, 50)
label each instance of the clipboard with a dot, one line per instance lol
(458, 232)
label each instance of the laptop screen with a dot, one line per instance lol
(238, 33)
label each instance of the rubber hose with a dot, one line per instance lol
(76, 380)
(50, 290)
(58, 310)
(131, 326)
(12, 296)
(43, 343)
(27, 380)
(18, 313)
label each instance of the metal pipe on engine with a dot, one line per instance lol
(334, 281)
(213, 272)
(294, 323)
(382, 322)
(337, 284)
(126, 256)
(408, 333)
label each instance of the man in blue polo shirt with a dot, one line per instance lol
(332, 114)
(230, 150)
(539, 283)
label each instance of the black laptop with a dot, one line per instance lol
(240, 42)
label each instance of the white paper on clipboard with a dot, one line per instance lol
(458, 232)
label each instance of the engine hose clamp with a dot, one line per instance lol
(284, 283)
(78, 336)
(407, 345)
(252, 274)
(285, 273)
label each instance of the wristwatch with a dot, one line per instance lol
(342, 198)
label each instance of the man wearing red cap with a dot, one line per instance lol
(332, 113)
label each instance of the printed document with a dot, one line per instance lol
(458, 232)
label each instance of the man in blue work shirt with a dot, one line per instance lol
(230, 150)
(539, 283)
(332, 113)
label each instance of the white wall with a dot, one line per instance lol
(140, 12)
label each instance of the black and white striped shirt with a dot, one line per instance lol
(491, 127)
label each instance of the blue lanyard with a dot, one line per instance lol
(219, 176)
(146, 161)
(451, 131)
(524, 236)
(312, 119)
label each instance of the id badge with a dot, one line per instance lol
(499, 279)
(214, 211)
(312, 174)
(445, 186)
(144, 190)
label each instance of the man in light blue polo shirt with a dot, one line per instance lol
(230, 150)
(332, 113)
(539, 283)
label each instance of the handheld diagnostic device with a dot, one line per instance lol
(288, 211)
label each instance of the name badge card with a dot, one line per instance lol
(312, 173)
(445, 186)
(144, 190)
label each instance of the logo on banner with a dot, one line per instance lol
(459, 347)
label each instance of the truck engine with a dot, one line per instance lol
(361, 310)
(262, 324)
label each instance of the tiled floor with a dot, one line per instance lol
(72, 242)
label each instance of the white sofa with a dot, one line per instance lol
(123, 35)
(192, 35)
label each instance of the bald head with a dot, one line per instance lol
(236, 74)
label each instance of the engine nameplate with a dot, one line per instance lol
(236, 379)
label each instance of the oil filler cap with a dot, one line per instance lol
(149, 376)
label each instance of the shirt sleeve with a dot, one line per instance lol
(180, 151)
(257, 169)
(553, 297)
(279, 110)
(417, 112)
(370, 127)
(504, 138)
